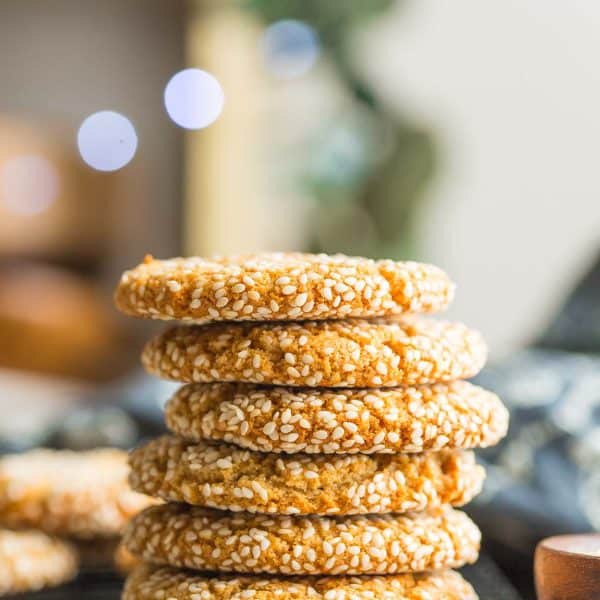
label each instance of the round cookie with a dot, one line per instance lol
(30, 560)
(350, 353)
(75, 494)
(229, 478)
(280, 287)
(149, 583)
(341, 421)
(186, 536)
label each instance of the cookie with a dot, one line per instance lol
(229, 478)
(149, 583)
(186, 536)
(280, 287)
(350, 353)
(30, 560)
(76, 494)
(342, 421)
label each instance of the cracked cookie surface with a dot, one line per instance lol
(349, 353)
(229, 478)
(280, 286)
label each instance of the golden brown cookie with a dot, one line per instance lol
(341, 421)
(186, 536)
(280, 287)
(30, 560)
(151, 583)
(78, 494)
(229, 478)
(350, 353)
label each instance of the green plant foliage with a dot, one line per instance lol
(326, 16)
(367, 171)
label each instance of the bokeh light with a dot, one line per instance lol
(107, 140)
(290, 48)
(194, 98)
(29, 184)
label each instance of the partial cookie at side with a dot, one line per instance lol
(185, 536)
(73, 494)
(229, 478)
(341, 421)
(280, 286)
(350, 353)
(149, 583)
(31, 560)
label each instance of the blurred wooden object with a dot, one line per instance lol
(224, 168)
(52, 321)
(71, 220)
(567, 567)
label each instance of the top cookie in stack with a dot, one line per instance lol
(318, 361)
(280, 287)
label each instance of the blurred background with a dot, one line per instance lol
(464, 134)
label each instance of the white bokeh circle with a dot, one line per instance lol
(194, 98)
(107, 140)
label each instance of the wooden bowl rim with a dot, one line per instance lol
(548, 545)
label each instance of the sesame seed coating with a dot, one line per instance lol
(76, 494)
(30, 560)
(350, 353)
(341, 421)
(186, 536)
(280, 287)
(153, 583)
(229, 478)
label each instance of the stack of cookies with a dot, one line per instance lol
(322, 440)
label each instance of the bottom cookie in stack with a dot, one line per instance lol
(152, 582)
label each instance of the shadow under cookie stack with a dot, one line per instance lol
(323, 438)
